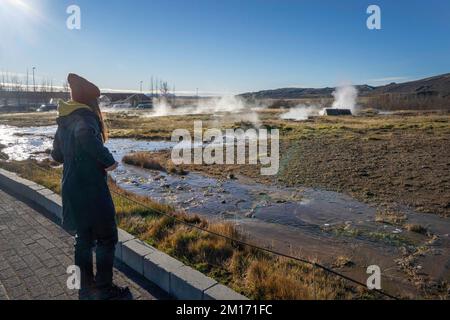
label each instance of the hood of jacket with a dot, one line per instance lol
(66, 108)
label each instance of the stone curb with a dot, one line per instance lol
(171, 275)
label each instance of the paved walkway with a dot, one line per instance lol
(34, 255)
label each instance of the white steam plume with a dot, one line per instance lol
(204, 106)
(345, 97)
(229, 107)
(301, 112)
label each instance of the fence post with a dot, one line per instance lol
(314, 281)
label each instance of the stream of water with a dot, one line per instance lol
(196, 193)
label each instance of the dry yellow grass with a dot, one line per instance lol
(390, 217)
(26, 169)
(143, 160)
(417, 228)
(153, 161)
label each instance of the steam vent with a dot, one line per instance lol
(338, 112)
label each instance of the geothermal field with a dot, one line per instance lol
(351, 191)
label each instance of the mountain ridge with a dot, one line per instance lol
(435, 86)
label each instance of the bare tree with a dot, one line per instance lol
(65, 86)
(43, 86)
(2, 83)
(164, 89)
(16, 86)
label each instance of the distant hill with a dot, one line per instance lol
(437, 86)
(300, 93)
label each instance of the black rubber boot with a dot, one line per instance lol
(113, 292)
(88, 292)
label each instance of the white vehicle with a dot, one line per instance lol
(122, 105)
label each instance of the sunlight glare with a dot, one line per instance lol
(19, 19)
(18, 3)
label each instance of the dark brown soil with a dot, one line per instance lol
(408, 169)
(401, 163)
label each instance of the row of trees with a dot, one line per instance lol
(25, 83)
(160, 88)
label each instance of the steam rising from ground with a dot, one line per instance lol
(234, 108)
(344, 98)
(301, 112)
(210, 106)
(229, 107)
(222, 109)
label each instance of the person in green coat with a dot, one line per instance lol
(88, 209)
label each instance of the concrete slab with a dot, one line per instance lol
(133, 253)
(157, 268)
(189, 284)
(221, 292)
(45, 192)
(123, 237)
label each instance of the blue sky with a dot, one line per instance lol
(226, 46)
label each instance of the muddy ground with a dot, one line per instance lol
(406, 169)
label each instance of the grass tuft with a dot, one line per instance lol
(152, 161)
(417, 228)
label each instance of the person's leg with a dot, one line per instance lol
(106, 236)
(84, 243)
